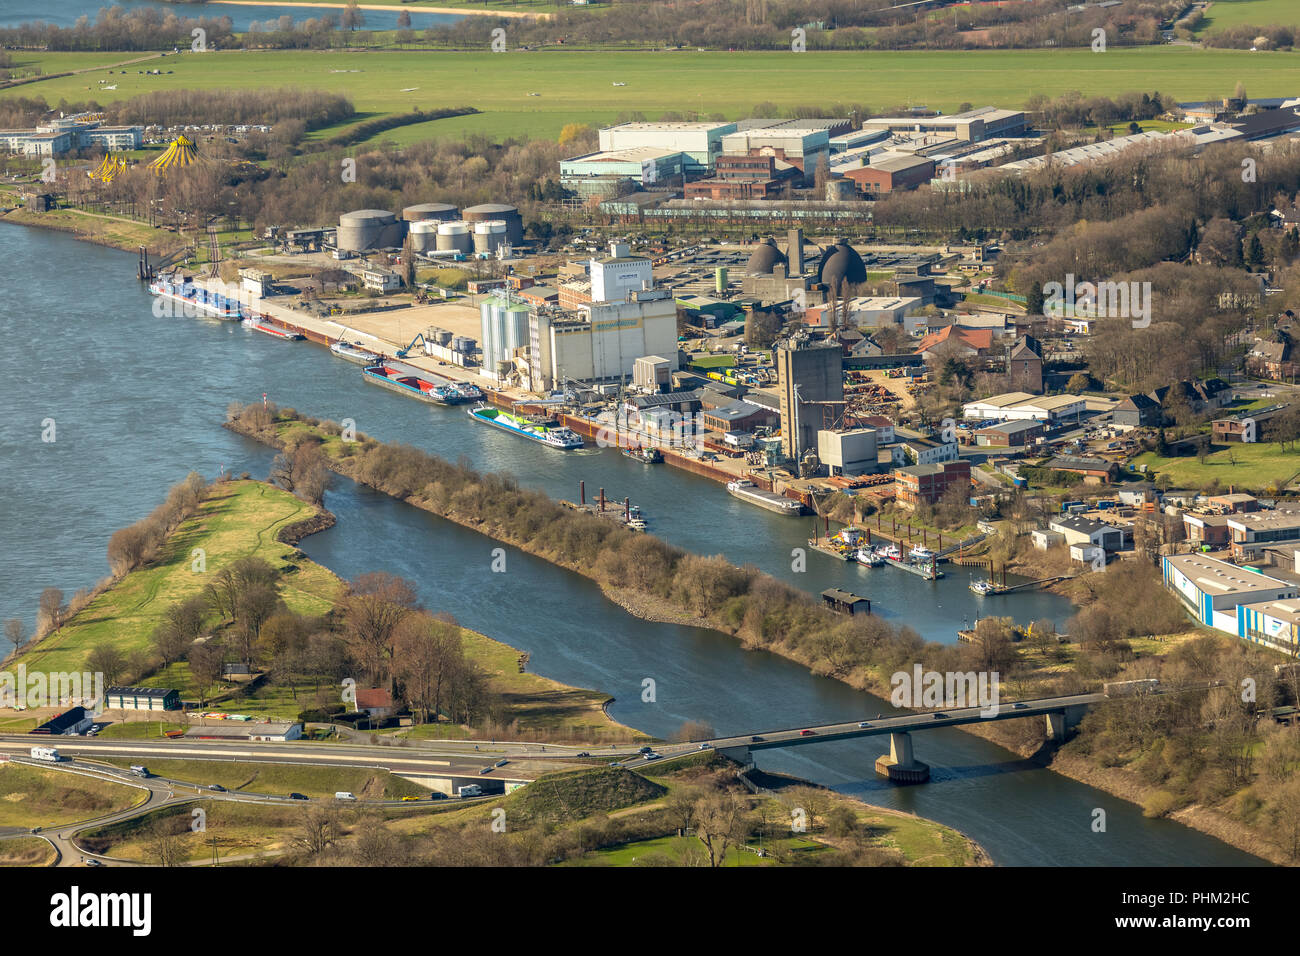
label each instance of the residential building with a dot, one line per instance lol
(1137, 411)
(924, 451)
(1025, 364)
(954, 341)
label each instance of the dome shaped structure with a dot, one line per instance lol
(765, 258)
(841, 265)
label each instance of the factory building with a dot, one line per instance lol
(803, 147)
(701, 143)
(810, 382)
(1214, 590)
(601, 342)
(1018, 406)
(746, 177)
(504, 326)
(1254, 532)
(613, 277)
(604, 173)
(849, 453)
(973, 126)
(890, 173)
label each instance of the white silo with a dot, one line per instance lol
(454, 237)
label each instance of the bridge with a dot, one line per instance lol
(899, 765)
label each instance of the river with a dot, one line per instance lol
(64, 13)
(136, 401)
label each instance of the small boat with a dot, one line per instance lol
(637, 524)
(259, 325)
(890, 552)
(870, 557)
(645, 454)
(354, 352)
(921, 554)
(984, 587)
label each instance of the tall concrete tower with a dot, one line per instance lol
(794, 253)
(809, 375)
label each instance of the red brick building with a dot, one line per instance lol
(926, 484)
(903, 172)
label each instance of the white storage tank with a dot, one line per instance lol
(490, 235)
(454, 237)
(424, 235)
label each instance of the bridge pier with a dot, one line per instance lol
(741, 755)
(899, 765)
(1060, 722)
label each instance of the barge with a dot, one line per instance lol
(550, 434)
(746, 490)
(260, 325)
(410, 384)
(354, 352)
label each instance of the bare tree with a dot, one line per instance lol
(51, 608)
(106, 659)
(720, 822)
(15, 632)
(376, 603)
(206, 661)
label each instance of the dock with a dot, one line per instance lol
(830, 552)
(1026, 585)
(927, 572)
(623, 512)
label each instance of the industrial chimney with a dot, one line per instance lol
(794, 253)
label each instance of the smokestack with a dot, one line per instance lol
(794, 252)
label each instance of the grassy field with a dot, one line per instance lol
(275, 778)
(241, 519)
(1258, 13)
(32, 796)
(1258, 465)
(26, 851)
(578, 87)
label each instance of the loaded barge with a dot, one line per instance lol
(415, 385)
(548, 433)
(196, 297)
(746, 490)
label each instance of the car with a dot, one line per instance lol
(217, 787)
(939, 716)
(807, 733)
(706, 746)
(298, 796)
(437, 795)
(652, 756)
(583, 753)
(646, 750)
(756, 739)
(864, 723)
(407, 798)
(1019, 706)
(93, 862)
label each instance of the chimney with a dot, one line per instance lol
(794, 252)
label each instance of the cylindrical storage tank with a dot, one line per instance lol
(490, 235)
(437, 211)
(454, 237)
(366, 229)
(462, 343)
(720, 280)
(495, 210)
(424, 235)
(840, 190)
(442, 337)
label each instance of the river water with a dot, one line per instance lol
(64, 13)
(136, 401)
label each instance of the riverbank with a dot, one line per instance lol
(391, 8)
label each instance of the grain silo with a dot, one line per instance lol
(424, 235)
(499, 211)
(490, 235)
(454, 237)
(437, 211)
(369, 229)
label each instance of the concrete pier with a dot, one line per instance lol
(899, 765)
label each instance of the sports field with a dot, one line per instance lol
(579, 86)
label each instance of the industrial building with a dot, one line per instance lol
(1014, 406)
(268, 732)
(849, 453)
(1213, 590)
(600, 342)
(618, 274)
(141, 698)
(73, 721)
(925, 484)
(810, 382)
(804, 147)
(430, 212)
(606, 172)
(1252, 533)
(746, 177)
(890, 173)
(700, 143)
(1018, 434)
(973, 126)
(495, 212)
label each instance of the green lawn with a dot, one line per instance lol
(1258, 13)
(1258, 465)
(242, 518)
(34, 796)
(578, 86)
(276, 778)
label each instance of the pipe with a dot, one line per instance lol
(582, 493)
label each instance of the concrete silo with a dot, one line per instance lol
(490, 235)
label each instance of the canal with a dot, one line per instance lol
(135, 402)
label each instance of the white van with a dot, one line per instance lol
(344, 795)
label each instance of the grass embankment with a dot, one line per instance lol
(244, 518)
(240, 518)
(1246, 466)
(33, 796)
(26, 851)
(578, 86)
(283, 779)
(104, 230)
(1225, 14)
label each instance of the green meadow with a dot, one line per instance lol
(573, 86)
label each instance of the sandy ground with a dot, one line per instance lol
(396, 9)
(896, 386)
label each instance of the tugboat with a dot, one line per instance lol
(645, 454)
(870, 557)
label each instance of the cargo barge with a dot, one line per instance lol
(354, 353)
(411, 384)
(261, 325)
(746, 490)
(553, 435)
(198, 298)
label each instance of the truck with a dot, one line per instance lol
(1129, 688)
(48, 754)
(473, 790)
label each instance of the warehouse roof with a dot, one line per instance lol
(1219, 577)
